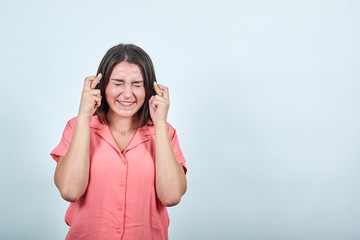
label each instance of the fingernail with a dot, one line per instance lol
(99, 74)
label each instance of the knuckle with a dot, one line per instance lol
(87, 79)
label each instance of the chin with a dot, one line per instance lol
(125, 114)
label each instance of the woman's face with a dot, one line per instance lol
(125, 92)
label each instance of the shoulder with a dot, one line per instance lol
(71, 122)
(171, 130)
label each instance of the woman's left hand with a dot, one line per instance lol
(159, 104)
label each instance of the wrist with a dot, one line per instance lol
(160, 124)
(83, 118)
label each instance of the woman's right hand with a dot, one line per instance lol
(90, 98)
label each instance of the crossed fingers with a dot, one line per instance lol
(91, 82)
(161, 90)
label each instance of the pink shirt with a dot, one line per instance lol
(120, 201)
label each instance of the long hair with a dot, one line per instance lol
(132, 54)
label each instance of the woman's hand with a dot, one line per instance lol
(90, 98)
(159, 104)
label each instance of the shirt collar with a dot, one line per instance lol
(103, 130)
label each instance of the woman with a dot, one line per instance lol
(119, 162)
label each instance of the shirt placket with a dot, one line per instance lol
(122, 195)
(120, 207)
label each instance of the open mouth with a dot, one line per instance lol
(126, 104)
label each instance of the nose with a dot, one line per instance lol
(127, 91)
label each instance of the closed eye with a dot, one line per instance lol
(138, 84)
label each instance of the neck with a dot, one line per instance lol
(121, 123)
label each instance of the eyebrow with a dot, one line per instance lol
(120, 80)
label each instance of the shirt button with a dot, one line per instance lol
(121, 184)
(118, 231)
(123, 162)
(120, 208)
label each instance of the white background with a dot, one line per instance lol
(264, 96)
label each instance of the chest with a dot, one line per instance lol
(129, 156)
(122, 139)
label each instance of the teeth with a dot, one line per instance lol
(126, 103)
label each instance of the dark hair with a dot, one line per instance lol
(131, 54)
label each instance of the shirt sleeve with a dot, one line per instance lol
(62, 148)
(176, 147)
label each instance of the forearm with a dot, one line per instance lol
(170, 176)
(72, 172)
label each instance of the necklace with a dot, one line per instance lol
(124, 132)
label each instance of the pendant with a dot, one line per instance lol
(122, 133)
